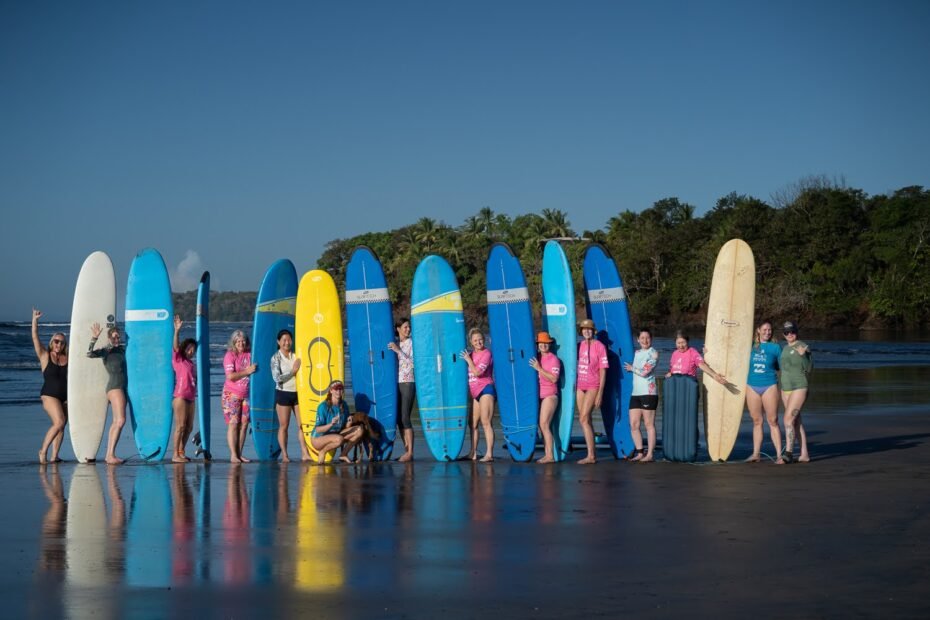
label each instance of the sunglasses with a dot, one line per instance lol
(789, 332)
(336, 389)
(57, 341)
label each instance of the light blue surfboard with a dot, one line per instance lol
(607, 307)
(512, 346)
(203, 364)
(275, 306)
(149, 332)
(148, 534)
(370, 320)
(438, 332)
(558, 294)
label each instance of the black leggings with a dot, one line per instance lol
(406, 396)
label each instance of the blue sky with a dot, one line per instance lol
(229, 134)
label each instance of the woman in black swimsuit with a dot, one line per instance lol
(54, 364)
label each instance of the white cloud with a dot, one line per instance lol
(186, 276)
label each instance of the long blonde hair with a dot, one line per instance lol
(64, 339)
(756, 338)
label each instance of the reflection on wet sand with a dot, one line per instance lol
(148, 540)
(237, 555)
(183, 529)
(320, 531)
(86, 538)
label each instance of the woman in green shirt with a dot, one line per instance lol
(796, 364)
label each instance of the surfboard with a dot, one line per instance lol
(94, 302)
(513, 344)
(727, 341)
(318, 344)
(275, 306)
(149, 333)
(148, 534)
(438, 332)
(608, 308)
(558, 295)
(202, 361)
(370, 321)
(680, 418)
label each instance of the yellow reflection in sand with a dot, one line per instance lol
(320, 534)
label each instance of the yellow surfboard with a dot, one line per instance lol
(728, 341)
(318, 336)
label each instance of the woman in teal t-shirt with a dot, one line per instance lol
(795, 365)
(762, 392)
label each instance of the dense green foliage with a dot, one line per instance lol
(828, 255)
(224, 306)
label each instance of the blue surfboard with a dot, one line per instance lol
(149, 333)
(275, 306)
(607, 307)
(558, 294)
(680, 399)
(203, 364)
(370, 322)
(512, 346)
(148, 534)
(438, 332)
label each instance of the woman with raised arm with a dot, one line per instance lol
(185, 390)
(113, 355)
(54, 394)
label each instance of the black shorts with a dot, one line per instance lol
(285, 399)
(648, 402)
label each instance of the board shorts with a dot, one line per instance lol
(488, 389)
(285, 398)
(649, 402)
(406, 396)
(235, 408)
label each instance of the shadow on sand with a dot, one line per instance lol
(824, 452)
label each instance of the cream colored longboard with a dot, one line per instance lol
(728, 341)
(318, 327)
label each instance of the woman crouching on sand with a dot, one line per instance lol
(796, 364)
(239, 369)
(54, 394)
(548, 366)
(762, 391)
(114, 360)
(481, 386)
(185, 390)
(645, 398)
(592, 372)
(331, 418)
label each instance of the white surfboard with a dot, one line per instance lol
(94, 302)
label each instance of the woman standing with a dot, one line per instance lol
(762, 392)
(114, 360)
(481, 387)
(54, 394)
(239, 368)
(185, 390)
(796, 364)
(645, 398)
(284, 367)
(592, 372)
(406, 388)
(548, 366)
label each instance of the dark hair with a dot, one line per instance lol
(645, 330)
(681, 334)
(186, 343)
(400, 322)
(282, 333)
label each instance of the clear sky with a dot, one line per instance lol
(229, 134)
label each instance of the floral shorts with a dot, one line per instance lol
(235, 409)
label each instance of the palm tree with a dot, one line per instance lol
(556, 223)
(427, 233)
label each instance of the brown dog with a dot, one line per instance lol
(360, 419)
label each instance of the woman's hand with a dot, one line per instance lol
(721, 379)
(465, 355)
(802, 350)
(393, 347)
(534, 364)
(628, 367)
(177, 322)
(35, 316)
(95, 330)
(252, 369)
(296, 365)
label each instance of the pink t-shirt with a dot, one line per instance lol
(185, 377)
(477, 382)
(592, 356)
(237, 362)
(685, 363)
(550, 363)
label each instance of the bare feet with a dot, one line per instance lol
(647, 459)
(235, 459)
(545, 459)
(406, 457)
(473, 457)
(780, 461)
(487, 458)
(804, 458)
(753, 458)
(345, 459)
(42, 459)
(637, 455)
(306, 457)
(588, 460)
(284, 458)
(245, 460)
(113, 460)
(180, 458)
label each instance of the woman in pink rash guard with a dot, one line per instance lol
(686, 361)
(548, 366)
(185, 391)
(238, 366)
(481, 387)
(592, 371)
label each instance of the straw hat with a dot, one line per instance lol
(586, 324)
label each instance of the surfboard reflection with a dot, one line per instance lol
(320, 531)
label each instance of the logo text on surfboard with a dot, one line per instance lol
(155, 314)
(508, 295)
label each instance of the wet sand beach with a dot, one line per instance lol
(844, 536)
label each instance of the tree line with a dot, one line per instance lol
(826, 254)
